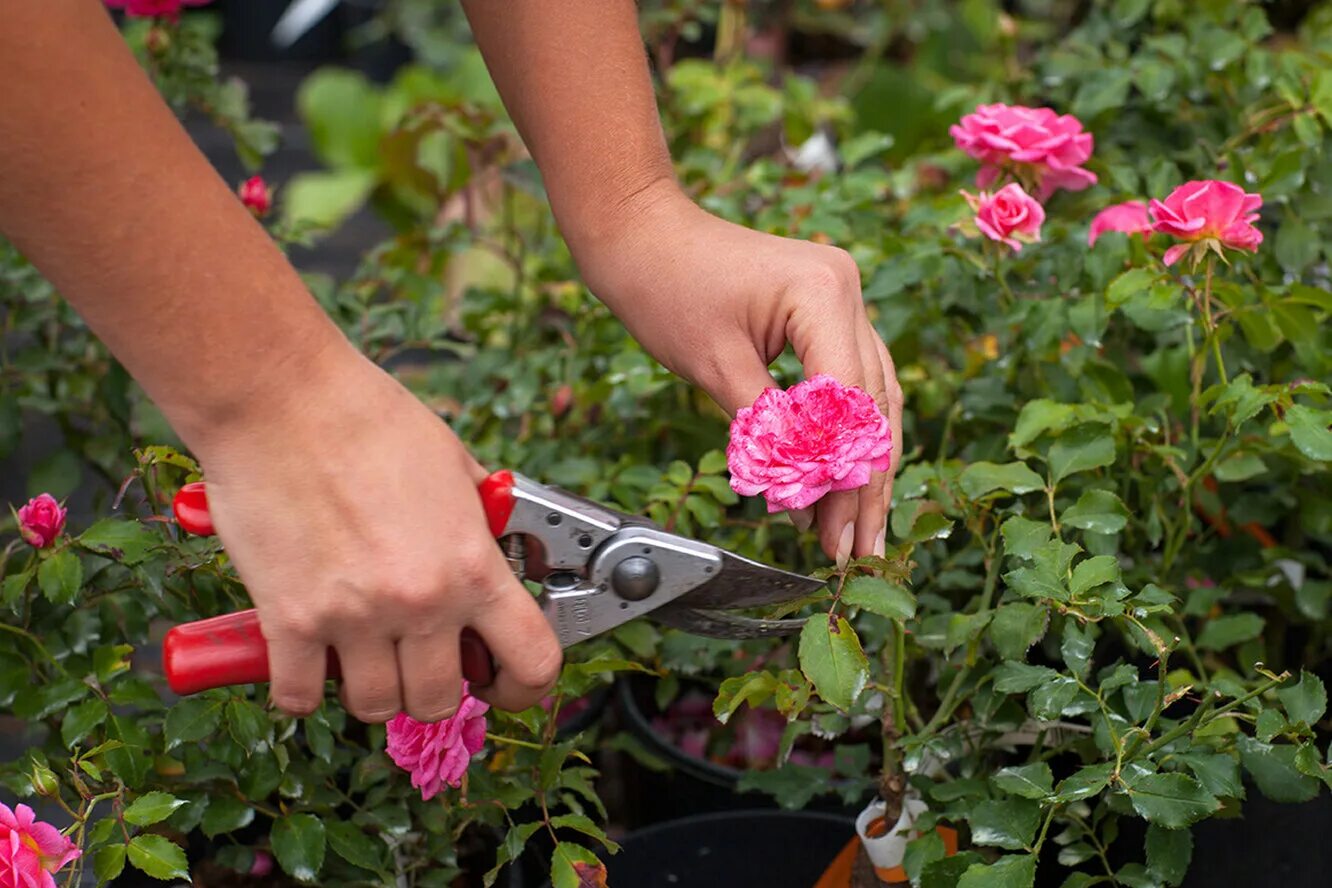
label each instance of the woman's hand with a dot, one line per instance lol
(717, 303)
(352, 515)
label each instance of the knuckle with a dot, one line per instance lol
(436, 711)
(542, 669)
(296, 703)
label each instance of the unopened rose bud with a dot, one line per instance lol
(158, 40)
(41, 520)
(263, 863)
(562, 400)
(256, 195)
(44, 780)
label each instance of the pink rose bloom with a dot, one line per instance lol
(438, 753)
(1208, 210)
(1010, 215)
(1036, 142)
(263, 863)
(30, 851)
(41, 520)
(255, 194)
(796, 445)
(1130, 218)
(154, 8)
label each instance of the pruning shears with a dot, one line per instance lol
(598, 569)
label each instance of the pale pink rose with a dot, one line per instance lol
(794, 446)
(1010, 215)
(41, 520)
(31, 851)
(1130, 218)
(438, 753)
(1035, 144)
(154, 8)
(255, 194)
(1208, 210)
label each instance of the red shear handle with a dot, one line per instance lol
(231, 650)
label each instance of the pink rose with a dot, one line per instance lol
(1130, 218)
(1219, 214)
(41, 520)
(1010, 215)
(255, 194)
(263, 863)
(30, 851)
(1033, 143)
(153, 8)
(796, 445)
(438, 753)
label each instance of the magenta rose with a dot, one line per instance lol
(1130, 218)
(1010, 215)
(437, 754)
(1035, 144)
(41, 520)
(31, 851)
(794, 446)
(256, 195)
(154, 8)
(1209, 212)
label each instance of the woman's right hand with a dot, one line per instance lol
(351, 513)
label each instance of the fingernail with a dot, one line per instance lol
(844, 545)
(802, 519)
(881, 544)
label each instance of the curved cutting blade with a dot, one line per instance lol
(720, 624)
(745, 583)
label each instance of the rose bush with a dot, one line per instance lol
(1110, 532)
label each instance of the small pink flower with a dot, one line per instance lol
(1010, 215)
(41, 520)
(794, 446)
(154, 8)
(1209, 211)
(255, 194)
(31, 851)
(1130, 218)
(438, 753)
(1035, 144)
(263, 863)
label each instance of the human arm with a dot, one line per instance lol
(714, 302)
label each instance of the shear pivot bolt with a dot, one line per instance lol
(636, 578)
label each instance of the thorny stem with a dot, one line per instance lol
(1045, 828)
(1179, 731)
(514, 741)
(1049, 498)
(1210, 324)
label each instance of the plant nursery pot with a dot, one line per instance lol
(693, 785)
(735, 849)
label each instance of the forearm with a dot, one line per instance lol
(102, 189)
(574, 77)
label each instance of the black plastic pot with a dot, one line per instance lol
(736, 849)
(247, 29)
(692, 785)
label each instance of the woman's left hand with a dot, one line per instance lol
(717, 303)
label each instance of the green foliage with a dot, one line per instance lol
(1109, 533)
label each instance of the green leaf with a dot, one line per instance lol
(565, 871)
(832, 659)
(1309, 431)
(980, 478)
(1084, 783)
(13, 587)
(351, 843)
(325, 198)
(159, 857)
(298, 843)
(1228, 631)
(753, 688)
(921, 852)
(1273, 769)
(82, 719)
(1170, 800)
(511, 848)
(1050, 699)
(1094, 572)
(1076, 647)
(945, 873)
(712, 463)
(192, 719)
(226, 814)
(1320, 95)
(1306, 701)
(128, 542)
(248, 724)
(1034, 781)
(1129, 284)
(61, 576)
(1084, 448)
(1012, 871)
(1023, 537)
(583, 824)
(791, 785)
(1109, 89)
(109, 862)
(1219, 774)
(345, 116)
(1099, 511)
(1007, 824)
(1169, 852)
(1240, 467)
(1016, 678)
(152, 807)
(879, 596)
(1016, 627)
